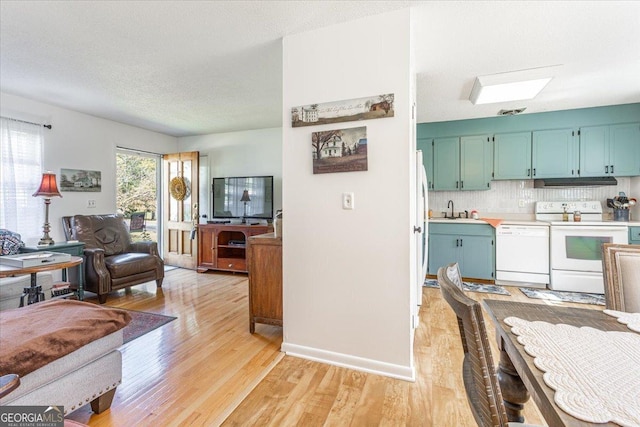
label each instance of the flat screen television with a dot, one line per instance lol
(243, 197)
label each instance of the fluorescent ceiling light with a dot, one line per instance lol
(513, 86)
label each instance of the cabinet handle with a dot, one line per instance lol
(461, 184)
(606, 169)
(534, 171)
(528, 172)
(460, 242)
(457, 242)
(230, 265)
(611, 168)
(571, 171)
(456, 184)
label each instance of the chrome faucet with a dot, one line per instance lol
(450, 205)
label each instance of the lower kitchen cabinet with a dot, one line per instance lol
(470, 245)
(634, 235)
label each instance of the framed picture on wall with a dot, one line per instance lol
(80, 180)
(371, 107)
(339, 150)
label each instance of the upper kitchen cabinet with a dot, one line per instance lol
(446, 163)
(462, 163)
(512, 156)
(554, 154)
(612, 150)
(426, 146)
(476, 162)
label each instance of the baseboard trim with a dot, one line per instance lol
(371, 366)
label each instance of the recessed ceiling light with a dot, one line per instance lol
(512, 86)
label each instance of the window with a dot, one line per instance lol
(20, 175)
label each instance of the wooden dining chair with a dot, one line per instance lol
(478, 370)
(621, 273)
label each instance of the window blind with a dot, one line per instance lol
(21, 147)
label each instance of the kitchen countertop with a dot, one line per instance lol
(512, 221)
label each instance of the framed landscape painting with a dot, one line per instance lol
(80, 180)
(339, 150)
(372, 107)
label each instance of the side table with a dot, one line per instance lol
(71, 248)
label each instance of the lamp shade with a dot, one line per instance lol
(48, 186)
(245, 196)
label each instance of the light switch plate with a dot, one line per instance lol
(348, 201)
(91, 203)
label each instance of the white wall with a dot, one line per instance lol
(347, 273)
(81, 141)
(247, 153)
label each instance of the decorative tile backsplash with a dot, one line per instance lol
(506, 197)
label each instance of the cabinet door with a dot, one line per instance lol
(206, 248)
(426, 145)
(554, 154)
(478, 260)
(512, 156)
(594, 151)
(624, 150)
(446, 163)
(443, 250)
(476, 162)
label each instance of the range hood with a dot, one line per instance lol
(574, 182)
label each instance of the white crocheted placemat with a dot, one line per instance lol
(632, 320)
(595, 374)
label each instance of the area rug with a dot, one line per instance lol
(579, 297)
(143, 322)
(473, 287)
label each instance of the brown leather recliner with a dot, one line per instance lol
(112, 261)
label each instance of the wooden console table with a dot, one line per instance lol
(265, 280)
(224, 246)
(34, 292)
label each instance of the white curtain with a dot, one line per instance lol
(21, 147)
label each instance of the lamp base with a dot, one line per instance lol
(46, 241)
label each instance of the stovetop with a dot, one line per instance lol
(590, 212)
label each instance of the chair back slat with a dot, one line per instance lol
(479, 374)
(621, 273)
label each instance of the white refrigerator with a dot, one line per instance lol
(421, 230)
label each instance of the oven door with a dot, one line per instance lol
(579, 248)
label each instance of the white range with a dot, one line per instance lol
(576, 246)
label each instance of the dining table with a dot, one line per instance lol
(521, 378)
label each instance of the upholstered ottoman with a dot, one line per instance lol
(65, 352)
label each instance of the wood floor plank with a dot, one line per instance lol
(206, 369)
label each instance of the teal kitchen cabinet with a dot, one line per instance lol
(470, 245)
(446, 163)
(512, 156)
(426, 146)
(634, 235)
(476, 162)
(462, 163)
(612, 150)
(554, 154)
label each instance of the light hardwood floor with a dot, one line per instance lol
(196, 370)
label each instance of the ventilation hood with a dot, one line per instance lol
(574, 182)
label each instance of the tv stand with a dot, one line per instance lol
(223, 246)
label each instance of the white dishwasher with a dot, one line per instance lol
(522, 255)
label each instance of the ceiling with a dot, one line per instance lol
(199, 67)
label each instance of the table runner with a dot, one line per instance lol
(595, 374)
(632, 320)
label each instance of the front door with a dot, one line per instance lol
(180, 187)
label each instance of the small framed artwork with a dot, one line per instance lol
(339, 150)
(372, 107)
(80, 180)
